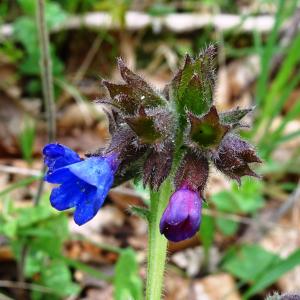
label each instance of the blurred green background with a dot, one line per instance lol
(248, 244)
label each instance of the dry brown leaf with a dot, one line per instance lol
(215, 287)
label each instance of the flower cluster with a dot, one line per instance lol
(173, 133)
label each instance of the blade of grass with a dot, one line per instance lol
(274, 273)
(268, 53)
(19, 184)
(283, 76)
(276, 135)
(277, 107)
(289, 136)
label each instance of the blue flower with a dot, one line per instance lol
(182, 217)
(84, 184)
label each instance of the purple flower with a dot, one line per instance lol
(84, 184)
(181, 219)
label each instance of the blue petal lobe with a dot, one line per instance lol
(89, 205)
(60, 176)
(66, 195)
(58, 155)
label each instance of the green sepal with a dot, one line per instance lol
(135, 92)
(145, 129)
(195, 97)
(207, 131)
(193, 85)
(233, 117)
(141, 90)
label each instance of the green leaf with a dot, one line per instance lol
(249, 262)
(274, 272)
(28, 6)
(245, 199)
(29, 65)
(227, 227)
(159, 9)
(9, 229)
(30, 216)
(25, 31)
(50, 235)
(57, 277)
(34, 262)
(55, 15)
(128, 285)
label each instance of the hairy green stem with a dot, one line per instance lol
(157, 243)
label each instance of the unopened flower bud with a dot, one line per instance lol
(182, 217)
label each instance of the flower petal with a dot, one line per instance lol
(58, 155)
(66, 195)
(177, 211)
(60, 175)
(97, 173)
(180, 232)
(89, 205)
(93, 170)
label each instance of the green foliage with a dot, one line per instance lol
(117, 9)
(10, 51)
(3, 10)
(28, 6)
(274, 272)
(27, 138)
(244, 199)
(45, 232)
(252, 264)
(57, 277)
(272, 98)
(128, 284)
(227, 227)
(160, 9)
(25, 32)
(249, 262)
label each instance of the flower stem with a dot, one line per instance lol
(47, 82)
(157, 243)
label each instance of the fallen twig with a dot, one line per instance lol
(177, 22)
(19, 171)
